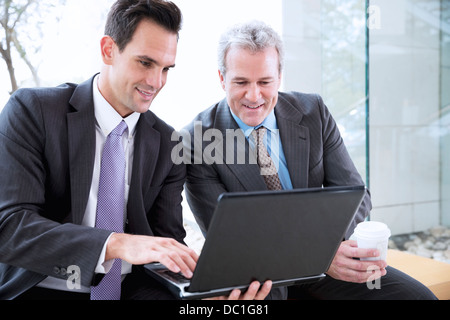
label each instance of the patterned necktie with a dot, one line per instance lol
(268, 169)
(111, 207)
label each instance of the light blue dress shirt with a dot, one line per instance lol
(272, 141)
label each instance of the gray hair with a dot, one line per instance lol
(255, 36)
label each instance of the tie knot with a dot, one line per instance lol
(120, 129)
(258, 134)
(261, 130)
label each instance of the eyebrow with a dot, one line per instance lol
(148, 59)
(238, 78)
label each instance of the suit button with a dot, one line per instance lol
(63, 271)
(56, 270)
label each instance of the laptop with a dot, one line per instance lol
(289, 237)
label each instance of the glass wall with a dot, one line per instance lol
(407, 142)
(445, 112)
(395, 53)
(326, 54)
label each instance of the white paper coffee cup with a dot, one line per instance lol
(373, 234)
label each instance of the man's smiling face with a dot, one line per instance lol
(251, 83)
(136, 75)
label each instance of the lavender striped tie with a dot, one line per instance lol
(111, 207)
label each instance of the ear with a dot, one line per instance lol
(107, 46)
(222, 80)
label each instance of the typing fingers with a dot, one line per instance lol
(177, 257)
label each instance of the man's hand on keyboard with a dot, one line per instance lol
(145, 249)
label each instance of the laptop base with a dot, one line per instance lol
(179, 286)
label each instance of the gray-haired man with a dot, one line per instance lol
(309, 153)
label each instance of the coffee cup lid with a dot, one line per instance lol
(372, 229)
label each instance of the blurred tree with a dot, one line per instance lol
(21, 32)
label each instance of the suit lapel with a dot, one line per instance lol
(81, 133)
(248, 175)
(146, 154)
(295, 141)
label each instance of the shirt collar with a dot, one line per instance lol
(107, 117)
(270, 122)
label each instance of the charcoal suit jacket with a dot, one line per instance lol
(47, 145)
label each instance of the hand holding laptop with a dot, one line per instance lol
(255, 291)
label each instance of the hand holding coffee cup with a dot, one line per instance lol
(373, 234)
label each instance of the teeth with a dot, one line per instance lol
(255, 107)
(145, 93)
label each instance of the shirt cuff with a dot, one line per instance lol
(102, 265)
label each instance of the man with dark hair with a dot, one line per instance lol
(88, 191)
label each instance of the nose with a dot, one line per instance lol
(253, 93)
(155, 79)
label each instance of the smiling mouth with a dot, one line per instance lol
(145, 94)
(253, 107)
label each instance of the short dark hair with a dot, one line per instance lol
(125, 16)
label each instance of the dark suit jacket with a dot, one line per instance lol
(315, 154)
(47, 144)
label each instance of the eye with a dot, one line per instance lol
(145, 63)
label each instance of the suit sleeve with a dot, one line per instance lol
(203, 188)
(337, 166)
(204, 185)
(31, 237)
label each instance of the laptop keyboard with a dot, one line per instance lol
(177, 277)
